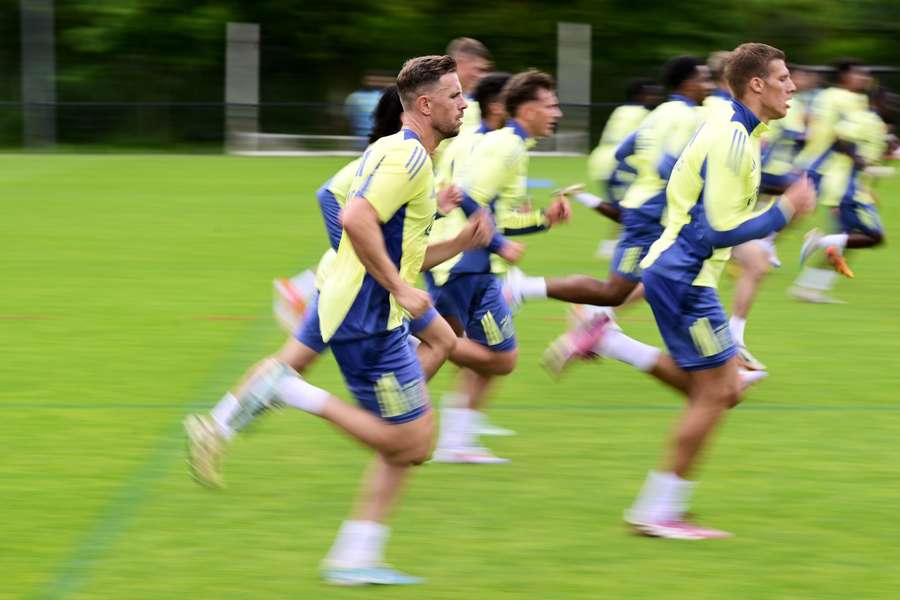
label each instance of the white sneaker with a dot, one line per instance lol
(474, 455)
(750, 362)
(813, 296)
(205, 449)
(488, 428)
(748, 378)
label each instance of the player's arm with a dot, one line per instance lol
(728, 165)
(389, 186)
(476, 234)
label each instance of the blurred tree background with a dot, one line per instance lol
(159, 52)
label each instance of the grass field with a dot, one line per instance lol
(136, 289)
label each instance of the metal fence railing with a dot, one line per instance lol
(200, 126)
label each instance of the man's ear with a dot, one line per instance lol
(423, 105)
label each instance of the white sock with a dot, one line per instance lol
(455, 400)
(835, 239)
(736, 325)
(358, 544)
(296, 392)
(457, 428)
(664, 497)
(533, 287)
(222, 414)
(589, 200)
(618, 346)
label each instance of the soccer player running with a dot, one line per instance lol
(468, 291)
(851, 178)
(364, 304)
(824, 157)
(462, 412)
(611, 175)
(658, 143)
(209, 436)
(755, 256)
(711, 200)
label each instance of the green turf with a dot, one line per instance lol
(136, 289)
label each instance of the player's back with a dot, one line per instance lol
(621, 123)
(660, 139)
(829, 107)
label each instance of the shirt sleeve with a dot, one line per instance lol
(393, 179)
(726, 195)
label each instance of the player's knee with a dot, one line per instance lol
(877, 238)
(730, 396)
(505, 362)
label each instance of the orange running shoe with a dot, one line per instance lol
(837, 261)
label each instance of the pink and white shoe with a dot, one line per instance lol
(677, 530)
(576, 344)
(474, 455)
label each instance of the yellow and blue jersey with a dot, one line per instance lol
(622, 122)
(829, 109)
(845, 182)
(711, 200)
(658, 143)
(719, 99)
(455, 221)
(395, 176)
(495, 176)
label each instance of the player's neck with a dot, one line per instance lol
(428, 136)
(754, 103)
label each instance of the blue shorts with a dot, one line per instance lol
(691, 321)
(476, 301)
(383, 374)
(638, 234)
(856, 216)
(309, 333)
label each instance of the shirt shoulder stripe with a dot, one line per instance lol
(418, 165)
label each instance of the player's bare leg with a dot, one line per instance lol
(755, 263)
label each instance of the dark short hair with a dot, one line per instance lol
(748, 61)
(523, 87)
(469, 46)
(386, 116)
(844, 65)
(489, 89)
(638, 86)
(419, 73)
(678, 70)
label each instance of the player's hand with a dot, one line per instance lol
(801, 195)
(559, 211)
(512, 251)
(478, 232)
(415, 301)
(448, 199)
